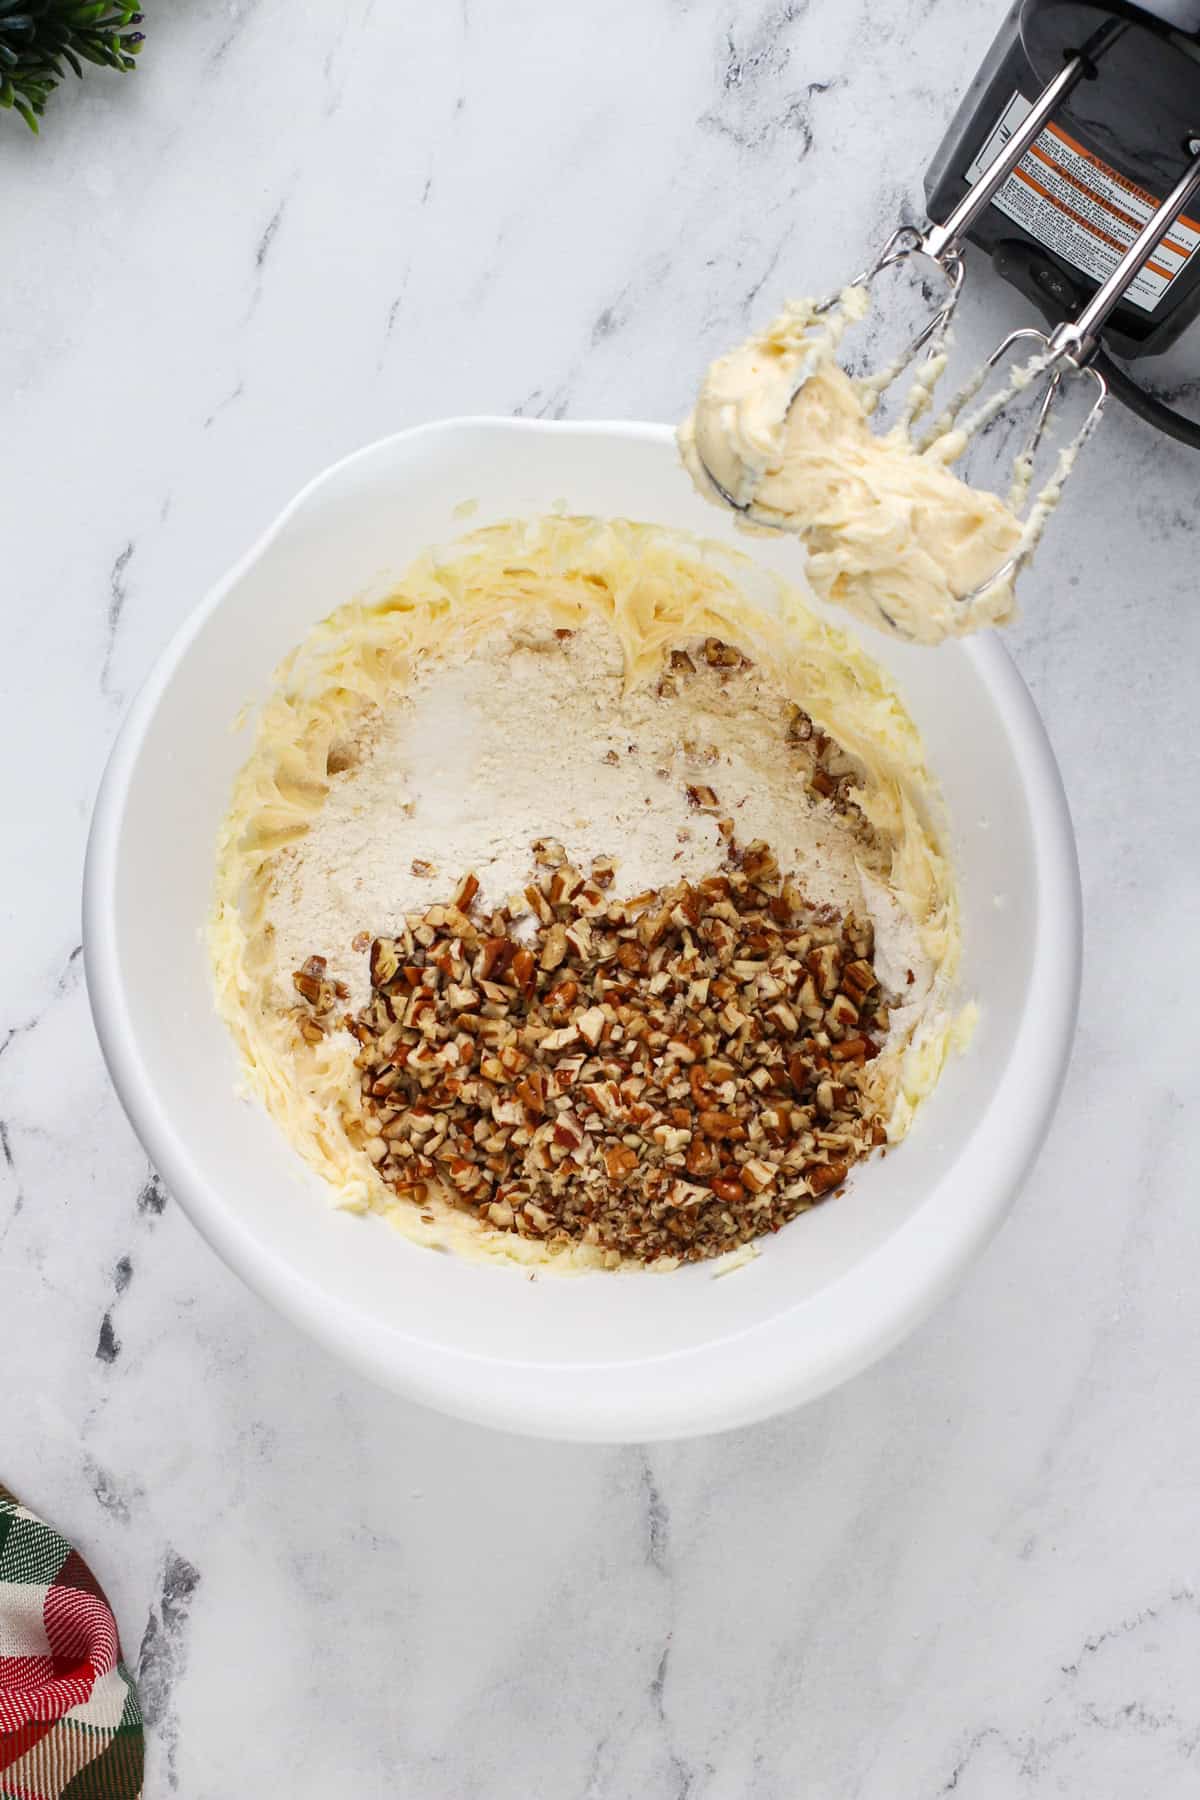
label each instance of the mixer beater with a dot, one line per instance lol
(1071, 349)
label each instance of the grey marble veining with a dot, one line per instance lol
(974, 1571)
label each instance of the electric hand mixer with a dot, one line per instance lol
(1079, 119)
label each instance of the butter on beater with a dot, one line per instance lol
(893, 534)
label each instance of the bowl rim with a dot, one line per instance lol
(851, 1323)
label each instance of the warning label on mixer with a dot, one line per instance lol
(1082, 209)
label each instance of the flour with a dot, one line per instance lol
(533, 735)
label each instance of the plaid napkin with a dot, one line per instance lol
(70, 1724)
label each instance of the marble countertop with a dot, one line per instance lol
(974, 1570)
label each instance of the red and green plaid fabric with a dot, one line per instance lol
(70, 1724)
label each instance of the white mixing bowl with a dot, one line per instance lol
(601, 1357)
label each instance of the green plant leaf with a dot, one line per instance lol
(42, 40)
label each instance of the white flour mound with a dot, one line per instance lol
(534, 735)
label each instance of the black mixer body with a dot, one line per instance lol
(1115, 146)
